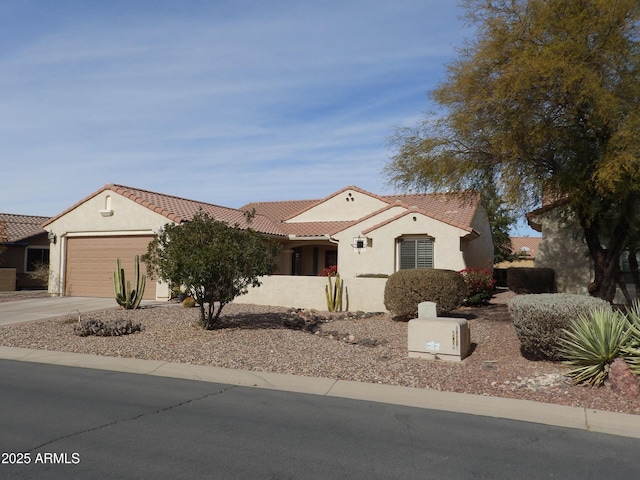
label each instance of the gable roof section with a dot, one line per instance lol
(547, 207)
(414, 209)
(21, 227)
(452, 209)
(180, 210)
(333, 195)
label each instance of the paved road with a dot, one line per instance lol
(116, 425)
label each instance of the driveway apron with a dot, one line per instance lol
(33, 309)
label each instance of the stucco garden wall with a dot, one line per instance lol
(360, 294)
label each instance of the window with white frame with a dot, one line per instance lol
(415, 252)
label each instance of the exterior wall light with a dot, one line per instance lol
(359, 243)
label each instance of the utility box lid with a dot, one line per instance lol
(442, 338)
(427, 310)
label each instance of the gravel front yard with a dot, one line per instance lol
(370, 349)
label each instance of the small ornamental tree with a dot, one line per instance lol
(543, 102)
(214, 261)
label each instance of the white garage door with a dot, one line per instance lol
(91, 261)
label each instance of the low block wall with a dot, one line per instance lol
(7, 279)
(359, 294)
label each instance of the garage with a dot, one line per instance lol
(116, 221)
(91, 261)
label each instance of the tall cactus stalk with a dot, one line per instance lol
(126, 297)
(333, 294)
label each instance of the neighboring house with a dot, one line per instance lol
(362, 233)
(527, 248)
(562, 248)
(26, 246)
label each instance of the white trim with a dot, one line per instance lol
(62, 268)
(111, 233)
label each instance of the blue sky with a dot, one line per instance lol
(223, 101)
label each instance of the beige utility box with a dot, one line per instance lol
(439, 338)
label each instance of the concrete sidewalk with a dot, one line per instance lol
(33, 309)
(522, 410)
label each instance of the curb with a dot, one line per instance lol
(591, 420)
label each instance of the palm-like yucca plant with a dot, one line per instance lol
(631, 351)
(631, 355)
(592, 342)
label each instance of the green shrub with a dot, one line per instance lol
(592, 342)
(540, 318)
(480, 284)
(405, 289)
(523, 280)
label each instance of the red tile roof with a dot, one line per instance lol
(314, 229)
(526, 245)
(271, 216)
(179, 209)
(280, 210)
(453, 209)
(20, 227)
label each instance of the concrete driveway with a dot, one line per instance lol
(39, 308)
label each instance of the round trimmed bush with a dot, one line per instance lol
(405, 289)
(189, 302)
(539, 320)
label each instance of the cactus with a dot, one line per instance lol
(126, 297)
(334, 294)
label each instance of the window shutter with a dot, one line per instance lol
(424, 249)
(407, 254)
(416, 253)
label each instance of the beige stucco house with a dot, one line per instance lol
(527, 250)
(362, 233)
(564, 249)
(25, 246)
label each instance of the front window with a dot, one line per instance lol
(415, 253)
(36, 256)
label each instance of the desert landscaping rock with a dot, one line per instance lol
(363, 348)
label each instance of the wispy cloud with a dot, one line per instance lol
(227, 102)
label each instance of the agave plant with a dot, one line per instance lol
(592, 342)
(631, 350)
